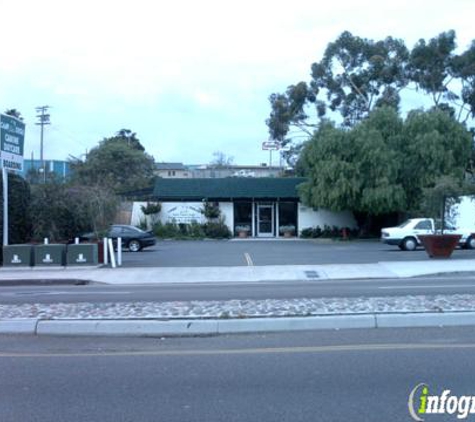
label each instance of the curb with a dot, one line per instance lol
(196, 327)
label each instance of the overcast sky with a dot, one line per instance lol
(189, 77)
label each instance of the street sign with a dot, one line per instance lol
(270, 145)
(12, 140)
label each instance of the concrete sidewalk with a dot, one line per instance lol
(158, 275)
(196, 327)
(425, 311)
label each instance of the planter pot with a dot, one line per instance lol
(288, 234)
(242, 234)
(440, 245)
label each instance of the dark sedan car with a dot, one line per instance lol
(132, 237)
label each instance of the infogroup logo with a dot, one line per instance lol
(421, 403)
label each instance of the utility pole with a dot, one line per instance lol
(43, 119)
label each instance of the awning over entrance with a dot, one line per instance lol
(227, 189)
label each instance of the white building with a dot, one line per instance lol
(264, 205)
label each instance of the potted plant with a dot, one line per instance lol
(243, 230)
(438, 202)
(287, 230)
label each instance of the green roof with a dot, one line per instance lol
(226, 188)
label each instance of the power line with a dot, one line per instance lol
(43, 120)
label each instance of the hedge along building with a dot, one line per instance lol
(264, 205)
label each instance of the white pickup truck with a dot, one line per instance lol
(406, 234)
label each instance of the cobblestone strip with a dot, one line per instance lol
(240, 308)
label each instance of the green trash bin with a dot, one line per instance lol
(83, 254)
(18, 256)
(50, 255)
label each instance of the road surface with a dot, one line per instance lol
(453, 284)
(357, 375)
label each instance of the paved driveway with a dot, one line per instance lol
(208, 253)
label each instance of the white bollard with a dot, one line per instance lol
(119, 252)
(106, 252)
(46, 240)
(76, 240)
(111, 250)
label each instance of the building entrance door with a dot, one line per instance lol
(265, 220)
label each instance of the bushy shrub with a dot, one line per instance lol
(62, 212)
(193, 230)
(166, 231)
(211, 210)
(196, 230)
(217, 230)
(328, 232)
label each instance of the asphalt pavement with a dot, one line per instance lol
(142, 294)
(360, 375)
(210, 253)
(98, 293)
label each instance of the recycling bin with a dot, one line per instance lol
(82, 254)
(18, 256)
(51, 255)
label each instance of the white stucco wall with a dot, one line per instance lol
(137, 213)
(184, 212)
(180, 212)
(309, 218)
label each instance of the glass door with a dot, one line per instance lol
(265, 220)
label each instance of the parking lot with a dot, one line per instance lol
(210, 253)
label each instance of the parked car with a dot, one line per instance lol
(406, 234)
(133, 238)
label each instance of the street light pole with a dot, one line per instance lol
(43, 119)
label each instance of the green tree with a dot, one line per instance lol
(130, 138)
(463, 67)
(384, 164)
(14, 113)
(435, 145)
(221, 160)
(63, 212)
(19, 221)
(355, 76)
(431, 66)
(118, 163)
(356, 169)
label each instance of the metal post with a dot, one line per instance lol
(111, 250)
(5, 206)
(253, 225)
(277, 219)
(106, 252)
(119, 252)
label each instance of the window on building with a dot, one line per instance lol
(288, 214)
(243, 215)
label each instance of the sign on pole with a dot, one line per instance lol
(12, 140)
(270, 145)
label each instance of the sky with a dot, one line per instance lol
(189, 77)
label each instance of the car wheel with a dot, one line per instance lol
(409, 244)
(134, 246)
(470, 244)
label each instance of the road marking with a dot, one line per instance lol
(248, 259)
(442, 286)
(250, 351)
(72, 293)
